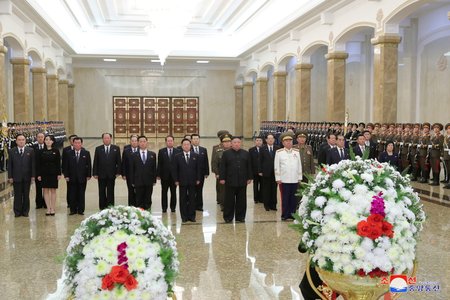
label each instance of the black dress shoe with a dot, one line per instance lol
(25, 215)
(283, 219)
(444, 181)
(48, 214)
(423, 180)
(81, 214)
(274, 209)
(447, 186)
(184, 220)
(192, 220)
(228, 221)
(16, 216)
(173, 210)
(434, 183)
(38, 207)
(164, 211)
(240, 221)
(199, 209)
(72, 213)
(52, 214)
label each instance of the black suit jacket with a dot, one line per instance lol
(126, 161)
(164, 170)
(266, 161)
(143, 174)
(254, 154)
(322, 153)
(107, 166)
(184, 173)
(65, 155)
(373, 150)
(236, 168)
(21, 168)
(357, 151)
(78, 170)
(334, 157)
(203, 161)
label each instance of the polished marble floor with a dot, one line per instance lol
(257, 259)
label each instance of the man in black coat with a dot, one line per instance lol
(65, 155)
(257, 179)
(21, 172)
(335, 155)
(370, 144)
(204, 169)
(360, 147)
(128, 150)
(166, 157)
(266, 171)
(236, 174)
(40, 203)
(143, 174)
(187, 175)
(77, 170)
(106, 168)
(323, 149)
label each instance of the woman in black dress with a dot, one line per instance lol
(48, 171)
(389, 156)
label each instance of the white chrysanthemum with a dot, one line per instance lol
(320, 201)
(338, 184)
(367, 177)
(316, 215)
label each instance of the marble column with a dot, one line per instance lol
(238, 107)
(52, 97)
(279, 96)
(261, 100)
(385, 68)
(303, 92)
(3, 98)
(21, 89)
(39, 93)
(63, 101)
(336, 86)
(71, 108)
(247, 99)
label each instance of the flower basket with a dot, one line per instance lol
(360, 218)
(120, 253)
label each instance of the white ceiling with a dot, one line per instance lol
(217, 29)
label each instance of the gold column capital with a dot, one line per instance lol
(248, 83)
(38, 70)
(336, 55)
(261, 79)
(238, 87)
(279, 74)
(63, 81)
(3, 49)
(71, 85)
(386, 39)
(52, 76)
(19, 61)
(303, 66)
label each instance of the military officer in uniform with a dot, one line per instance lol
(437, 142)
(422, 154)
(288, 174)
(446, 156)
(215, 166)
(306, 154)
(214, 158)
(413, 151)
(405, 147)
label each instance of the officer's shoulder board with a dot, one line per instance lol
(296, 149)
(281, 149)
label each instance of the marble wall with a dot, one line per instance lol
(96, 87)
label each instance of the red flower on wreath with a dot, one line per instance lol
(375, 225)
(119, 274)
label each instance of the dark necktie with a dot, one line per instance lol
(77, 155)
(107, 150)
(342, 153)
(144, 159)
(170, 153)
(187, 158)
(21, 152)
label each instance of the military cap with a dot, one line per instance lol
(286, 136)
(221, 132)
(377, 125)
(369, 125)
(392, 125)
(426, 124)
(447, 126)
(301, 133)
(226, 137)
(408, 125)
(362, 124)
(418, 125)
(439, 125)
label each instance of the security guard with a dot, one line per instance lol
(423, 153)
(437, 142)
(446, 155)
(306, 154)
(213, 158)
(215, 166)
(288, 174)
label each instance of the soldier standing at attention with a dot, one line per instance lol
(423, 153)
(306, 154)
(446, 156)
(415, 140)
(215, 166)
(437, 142)
(288, 174)
(214, 158)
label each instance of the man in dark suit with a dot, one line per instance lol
(143, 174)
(40, 203)
(77, 170)
(323, 149)
(370, 144)
(21, 172)
(335, 155)
(254, 154)
(128, 150)
(266, 171)
(360, 147)
(204, 169)
(106, 168)
(187, 175)
(236, 174)
(166, 157)
(65, 155)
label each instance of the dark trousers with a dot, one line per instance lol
(21, 197)
(144, 196)
(424, 169)
(131, 194)
(165, 186)
(187, 202)
(2, 160)
(404, 162)
(235, 205)
(257, 195)
(199, 195)
(269, 192)
(436, 168)
(446, 164)
(39, 197)
(106, 192)
(68, 193)
(220, 188)
(218, 185)
(288, 199)
(77, 196)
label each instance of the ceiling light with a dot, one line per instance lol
(109, 59)
(203, 61)
(447, 54)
